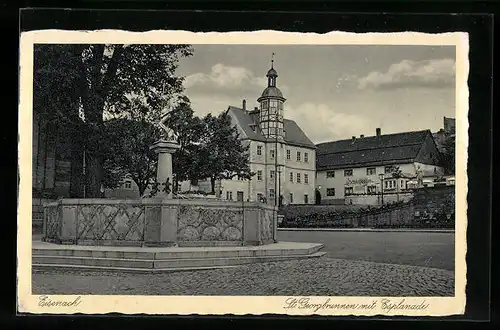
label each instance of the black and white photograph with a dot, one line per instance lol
(323, 175)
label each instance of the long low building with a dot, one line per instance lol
(362, 169)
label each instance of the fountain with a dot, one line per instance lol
(112, 228)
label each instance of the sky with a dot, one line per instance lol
(333, 92)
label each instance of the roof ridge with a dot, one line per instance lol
(375, 148)
(374, 136)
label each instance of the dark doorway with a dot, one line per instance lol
(318, 197)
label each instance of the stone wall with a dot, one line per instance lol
(376, 199)
(430, 207)
(397, 215)
(156, 222)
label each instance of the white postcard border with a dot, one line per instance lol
(184, 305)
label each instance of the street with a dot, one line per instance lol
(435, 250)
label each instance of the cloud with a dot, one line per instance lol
(321, 123)
(227, 80)
(438, 73)
(346, 81)
(205, 104)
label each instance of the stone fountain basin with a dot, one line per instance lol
(159, 222)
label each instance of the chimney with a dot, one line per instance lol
(244, 105)
(378, 131)
(361, 136)
(353, 138)
(255, 108)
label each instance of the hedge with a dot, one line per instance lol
(298, 217)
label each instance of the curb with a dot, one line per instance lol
(445, 231)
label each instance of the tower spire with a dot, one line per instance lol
(272, 61)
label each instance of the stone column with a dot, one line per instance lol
(164, 149)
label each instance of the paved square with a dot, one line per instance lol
(356, 264)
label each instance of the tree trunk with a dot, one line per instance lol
(94, 176)
(141, 186)
(212, 183)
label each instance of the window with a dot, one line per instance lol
(229, 195)
(306, 157)
(371, 189)
(347, 172)
(330, 174)
(271, 194)
(259, 197)
(402, 183)
(298, 156)
(306, 178)
(272, 174)
(291, 176)
(259, 150)
(291, 198)
(388, 169)
(298, 177)
(259, 175)
(348, 190)
(128, 185)
(288, 154)
(272, 153)
(330, 191)
(306, 199)
(371, 171)
(390, 184)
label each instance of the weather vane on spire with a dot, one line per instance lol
(272, 61)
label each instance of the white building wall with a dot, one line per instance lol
(266, 163)
(360, 180)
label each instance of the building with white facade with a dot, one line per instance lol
(359, 170)
(282, 157)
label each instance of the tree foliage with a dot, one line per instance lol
(129, 153)
(449, 155)
(189, 129)
(90, 80)
(223, 153)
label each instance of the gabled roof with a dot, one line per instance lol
(246, 120)
(370, 151)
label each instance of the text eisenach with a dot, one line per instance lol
(45, 301)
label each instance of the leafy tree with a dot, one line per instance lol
(396, 174)
(94, 80)
(129, 153)
(189, 129)
(449, 155)
(223, 154)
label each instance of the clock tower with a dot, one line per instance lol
(271, 107)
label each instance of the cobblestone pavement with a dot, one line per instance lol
(312, 277)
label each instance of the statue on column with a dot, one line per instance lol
(168, 133)
(164, 147)
(420, 177)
